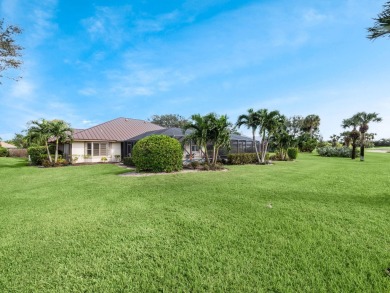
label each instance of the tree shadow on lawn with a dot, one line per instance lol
(18, 164)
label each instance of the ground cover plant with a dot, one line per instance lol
(314, 225)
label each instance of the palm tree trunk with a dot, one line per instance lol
(48, 151)
(255, 145)
(353, 156)
(362, 147)
(56, 155)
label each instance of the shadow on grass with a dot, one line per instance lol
(14, 164)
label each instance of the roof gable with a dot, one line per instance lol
(119, 129)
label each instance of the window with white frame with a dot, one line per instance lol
(96, 149)
(195, 148)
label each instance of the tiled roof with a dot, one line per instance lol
(7, 145)
(119, 129)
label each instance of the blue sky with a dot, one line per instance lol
(91, 61)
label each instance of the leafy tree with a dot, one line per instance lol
(282, 140)
(168, 120)
(61, 132)
(294, 125)
(9, 50)
(364, 119)
(270, 122)
(381, 26)
(252, 121)
(19, 140)
(39, 132)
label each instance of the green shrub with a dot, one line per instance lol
(195, 164)
(292, 153)
(242, 158)
(37, 154)
(3, 152)
(308, 146)
(336, 152)
(158, 153)
(128, 161)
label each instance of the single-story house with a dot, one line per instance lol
(115, 139)
(7, 145)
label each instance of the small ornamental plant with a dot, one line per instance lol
(158, 153)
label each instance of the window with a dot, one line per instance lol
(194, 148)
(96, 149)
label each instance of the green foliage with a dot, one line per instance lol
(37, 154)
(3, 152)
(307, 146)
(292, 153)
(158, 153)
(128, 161)
(335, 152)
(244, 158)
(168, 120)
(195, 164)
(381, 26)
(9, 50)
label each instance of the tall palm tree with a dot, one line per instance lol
(270, 122)
(39, 132)
(364, 119)
(353, 122)
(252, 121)
(311, 124)
(61, 131)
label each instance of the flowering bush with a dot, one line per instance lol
(335, 152)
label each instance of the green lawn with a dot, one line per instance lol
(86, 229)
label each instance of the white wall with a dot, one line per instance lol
(78, 151)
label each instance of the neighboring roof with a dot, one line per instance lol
(240, 137)
(178, 133)
(7, 145)
(119, 129)
(76, 130)
(172, 132)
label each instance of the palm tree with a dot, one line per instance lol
(381, 27)
(346, 136)
(219, 133)
(365, 118)
(252, 121)
(270, 122)
(199, 134)
(335, 139)
(39, 132)
(311, 124)
(61, 131)
(353, 122)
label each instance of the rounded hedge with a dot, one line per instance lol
(158, 153)
(292, 153)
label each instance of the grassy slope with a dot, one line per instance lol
(84, 228)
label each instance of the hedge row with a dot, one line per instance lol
(336, 152)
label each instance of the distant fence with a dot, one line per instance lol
(17, 153)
